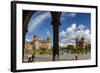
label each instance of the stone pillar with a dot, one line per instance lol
(25, 17)
(55, 23)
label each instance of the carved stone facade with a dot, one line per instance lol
(82, 43)
(38, 44)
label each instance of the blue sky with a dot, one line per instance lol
(75, 25)
(40, 24)
(69, 18)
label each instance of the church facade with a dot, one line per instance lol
(38, 44)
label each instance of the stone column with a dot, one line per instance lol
(55, 23)
(25, 17)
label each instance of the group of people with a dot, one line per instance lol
(31, 58)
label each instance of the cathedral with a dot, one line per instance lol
(82, 43)
(38, 44)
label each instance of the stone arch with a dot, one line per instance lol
(55, 23)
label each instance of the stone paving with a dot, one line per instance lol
(64, 57)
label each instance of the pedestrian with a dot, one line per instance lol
(33, 56)
(76, 54)
(62, 53)
(30, 58)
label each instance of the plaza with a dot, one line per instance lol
(64, 57)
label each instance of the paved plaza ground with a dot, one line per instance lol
(64, 57)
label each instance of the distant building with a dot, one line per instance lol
(68, 43)
(82, 43)
(38, 44)
(79, 42)
(28, 45)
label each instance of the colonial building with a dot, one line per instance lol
(28, 45)
(38, 44)
(78, 43)
(82, 43)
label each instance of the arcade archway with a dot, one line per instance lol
(55, 23)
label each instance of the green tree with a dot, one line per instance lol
(70, 47)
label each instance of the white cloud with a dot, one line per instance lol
(73, 26)
(62, 34)
(37, 21)
(81, 27)
(85, 34)
(71, 30)
(48, 33)
(67, 14)
(80, 34)
(71, 33)
(72, 14)
(65, 42)
(28, 40)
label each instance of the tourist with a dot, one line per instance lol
(33, 56)
(29, 58)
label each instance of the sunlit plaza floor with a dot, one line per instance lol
(64, 57)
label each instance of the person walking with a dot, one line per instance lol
(33, 56)
(30, 58)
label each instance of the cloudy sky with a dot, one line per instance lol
(72, 25)
(75, 25)
(40, 24)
